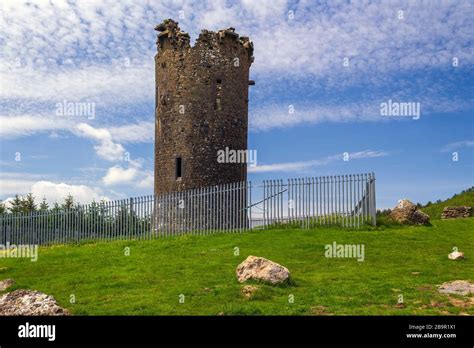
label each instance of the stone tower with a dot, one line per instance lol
(201, 107)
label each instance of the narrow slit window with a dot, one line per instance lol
(179, 167)
(217, 102)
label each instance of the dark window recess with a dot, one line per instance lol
(179, 167)
(217, 102)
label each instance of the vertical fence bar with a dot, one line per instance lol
(219, 206)
(359, 201)
(367, 200)
(374, 206)
(289, 201)
(282, 197)
(249, 204)
(338, 206)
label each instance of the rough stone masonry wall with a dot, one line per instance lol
(190, 122)
(456, 212)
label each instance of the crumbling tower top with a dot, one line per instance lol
(171, 36)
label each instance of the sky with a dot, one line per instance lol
(323, 72)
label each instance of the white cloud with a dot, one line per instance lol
(147, 182)
(15, 126)
(269, 116)
(458, 145)
(95, 50)
(106, 149)
(57, 192)
(141, 132)
(24, 183)
(370, 35)
(24, 125)
(118, 175)
(109, 150)
(303, 165)
(100, 84)
(103, 53)
(134, 176)
(17, 183)
(279, 116)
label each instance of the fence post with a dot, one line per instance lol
(374, 209)
(249, 204)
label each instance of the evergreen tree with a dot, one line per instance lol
(56, 207)
(16, 204)
(44, 206)
(3, 209)
(28, 203)
(68, 202)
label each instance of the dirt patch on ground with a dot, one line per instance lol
(461, 302)
(457, 287)
(320, 310)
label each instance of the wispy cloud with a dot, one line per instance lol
(304, 165)
(141, 132)
(106, 48)
(458, 145)
(269, 116)
(282, 116)
(24, 125)
(106, 147)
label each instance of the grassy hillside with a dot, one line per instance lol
(464, 198)
(407, 261)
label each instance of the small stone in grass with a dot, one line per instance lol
(456, 255)
(249, 290)
(5, 284)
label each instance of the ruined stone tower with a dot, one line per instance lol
(201, 107)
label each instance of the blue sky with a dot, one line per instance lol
(333, 63)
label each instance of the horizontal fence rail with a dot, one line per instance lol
(345, 200)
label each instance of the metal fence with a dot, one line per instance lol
(345, 200)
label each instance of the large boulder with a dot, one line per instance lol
(261, 269)
(30, 302)
(406, 212)
(456, 212)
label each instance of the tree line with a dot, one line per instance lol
(27, 205)
(82, 221)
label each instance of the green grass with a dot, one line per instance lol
(403, 260)
(465, 198)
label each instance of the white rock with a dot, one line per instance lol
(259, 268)
(456, 255)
